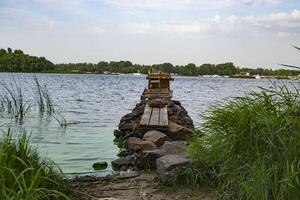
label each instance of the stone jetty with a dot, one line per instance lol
(154, 134)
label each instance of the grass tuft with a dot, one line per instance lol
(249, 147)
(24, 175)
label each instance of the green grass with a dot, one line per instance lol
(249, 147)
(24, 175)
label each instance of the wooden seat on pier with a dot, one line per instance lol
(164, 93)
(154, 118)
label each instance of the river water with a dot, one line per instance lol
(95, 104)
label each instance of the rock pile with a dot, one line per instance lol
(154, 149)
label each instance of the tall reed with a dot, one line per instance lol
(249, 147)
(61, 120)
(24, 175)
(13, 98)
(42, 96)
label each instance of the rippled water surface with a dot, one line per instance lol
(95, 104)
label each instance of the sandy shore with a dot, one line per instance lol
(140, 187)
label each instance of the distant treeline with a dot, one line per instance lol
(17, 61)
(128, 67)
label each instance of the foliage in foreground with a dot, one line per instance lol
(249, 148)
(24, 175)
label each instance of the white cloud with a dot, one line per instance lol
(281, 24)
(215, 24)
(149, 3)
(168, 27)
(23, 20)
(183, 3)
(71, 6)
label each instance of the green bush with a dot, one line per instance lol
(24, 175)
(249, 147)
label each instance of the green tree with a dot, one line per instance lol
(9, 50)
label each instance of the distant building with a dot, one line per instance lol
(245, 73)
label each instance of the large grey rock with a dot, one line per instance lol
(136, 144)
(127, 126)
(178, 132)
(120, 162)
(147, 159)
(157, 137)
(167, 165)
(174, 147)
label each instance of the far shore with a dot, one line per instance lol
(141, 74)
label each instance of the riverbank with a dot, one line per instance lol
(37, 179)
(144, 186)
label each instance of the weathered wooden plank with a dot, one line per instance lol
(154, 120)
(163, 118)
(146, 115)
(158, 93)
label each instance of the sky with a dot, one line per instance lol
(250, 33)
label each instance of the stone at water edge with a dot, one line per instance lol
(147, 159)
(100, 165)
(157, 137)
(137, 144)
(117, 133)
(167, 165)
(174, 147)
(178, 132)
(125, 126)
(123, 153)
(176, 102)
(118, 163)
(131, 158)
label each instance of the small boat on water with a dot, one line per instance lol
(257, 76)
(137, 74)
(211, 76)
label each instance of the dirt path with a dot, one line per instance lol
(143, 187)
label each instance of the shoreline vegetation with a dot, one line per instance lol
(18, 61)
(25, 175)
(249, 147)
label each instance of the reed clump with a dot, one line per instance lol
(24, 175)
(42, 96)
(13, 99)
(249, 147)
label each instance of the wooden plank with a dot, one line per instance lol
(146, 115)
(154, 120)
(163, 118)
(158, 93)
